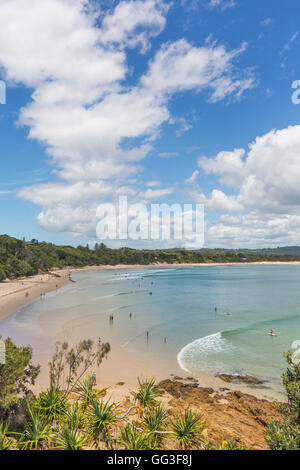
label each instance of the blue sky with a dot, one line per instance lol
(156, 100)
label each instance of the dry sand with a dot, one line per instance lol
(13, 294)
(117, 369)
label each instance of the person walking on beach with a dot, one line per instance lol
(165, 340)
(94, 379)
(130, 316)
(99, 342)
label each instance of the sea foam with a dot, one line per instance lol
(190, 354)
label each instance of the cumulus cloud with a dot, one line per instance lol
(267, 177)
(217, 201)
(179, 66)
(228, 165)
(266, 180)
(251, 230)
(123, 25)
(95, 128)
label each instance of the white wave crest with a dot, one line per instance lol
(200, 348)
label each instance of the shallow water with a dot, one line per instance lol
(182, 309)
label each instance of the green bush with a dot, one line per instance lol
(286, 435)
(2, 275)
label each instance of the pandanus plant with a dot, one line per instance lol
(146, 395)
(86, 394)
(74, 417)
(187, 429)
(132, 438)
(70, 439)
(5, 443)
(51, 404)
(37, 431)
(154, 423)
(101, 417)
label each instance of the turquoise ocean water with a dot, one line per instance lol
(182, 309)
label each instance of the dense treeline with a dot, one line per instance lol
(21, 258)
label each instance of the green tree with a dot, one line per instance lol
(70, 364)
(16, 376)
(2, 275)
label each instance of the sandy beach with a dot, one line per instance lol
(118, 368)
(13, 294)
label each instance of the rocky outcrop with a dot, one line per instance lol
(246, 379)
(226, 415)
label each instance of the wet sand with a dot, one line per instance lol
(13, 293)
(117, 368)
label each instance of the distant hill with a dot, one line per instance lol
(23, 258)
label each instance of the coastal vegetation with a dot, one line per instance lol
(22, 258)
(285, 434)
(74, 414)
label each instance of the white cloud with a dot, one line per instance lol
(223, 4)
(218, 201)
(266, 21)
(284, 50)
(268, 178)
(180, 66)
(193, 177)
(229, 165)
(82, 111)
(151, 184)
(287, 46)
(123, 25)
(152, 194)
(267, 184)
(250, 230)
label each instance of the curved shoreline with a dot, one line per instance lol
(12, 297)
(13, 293)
